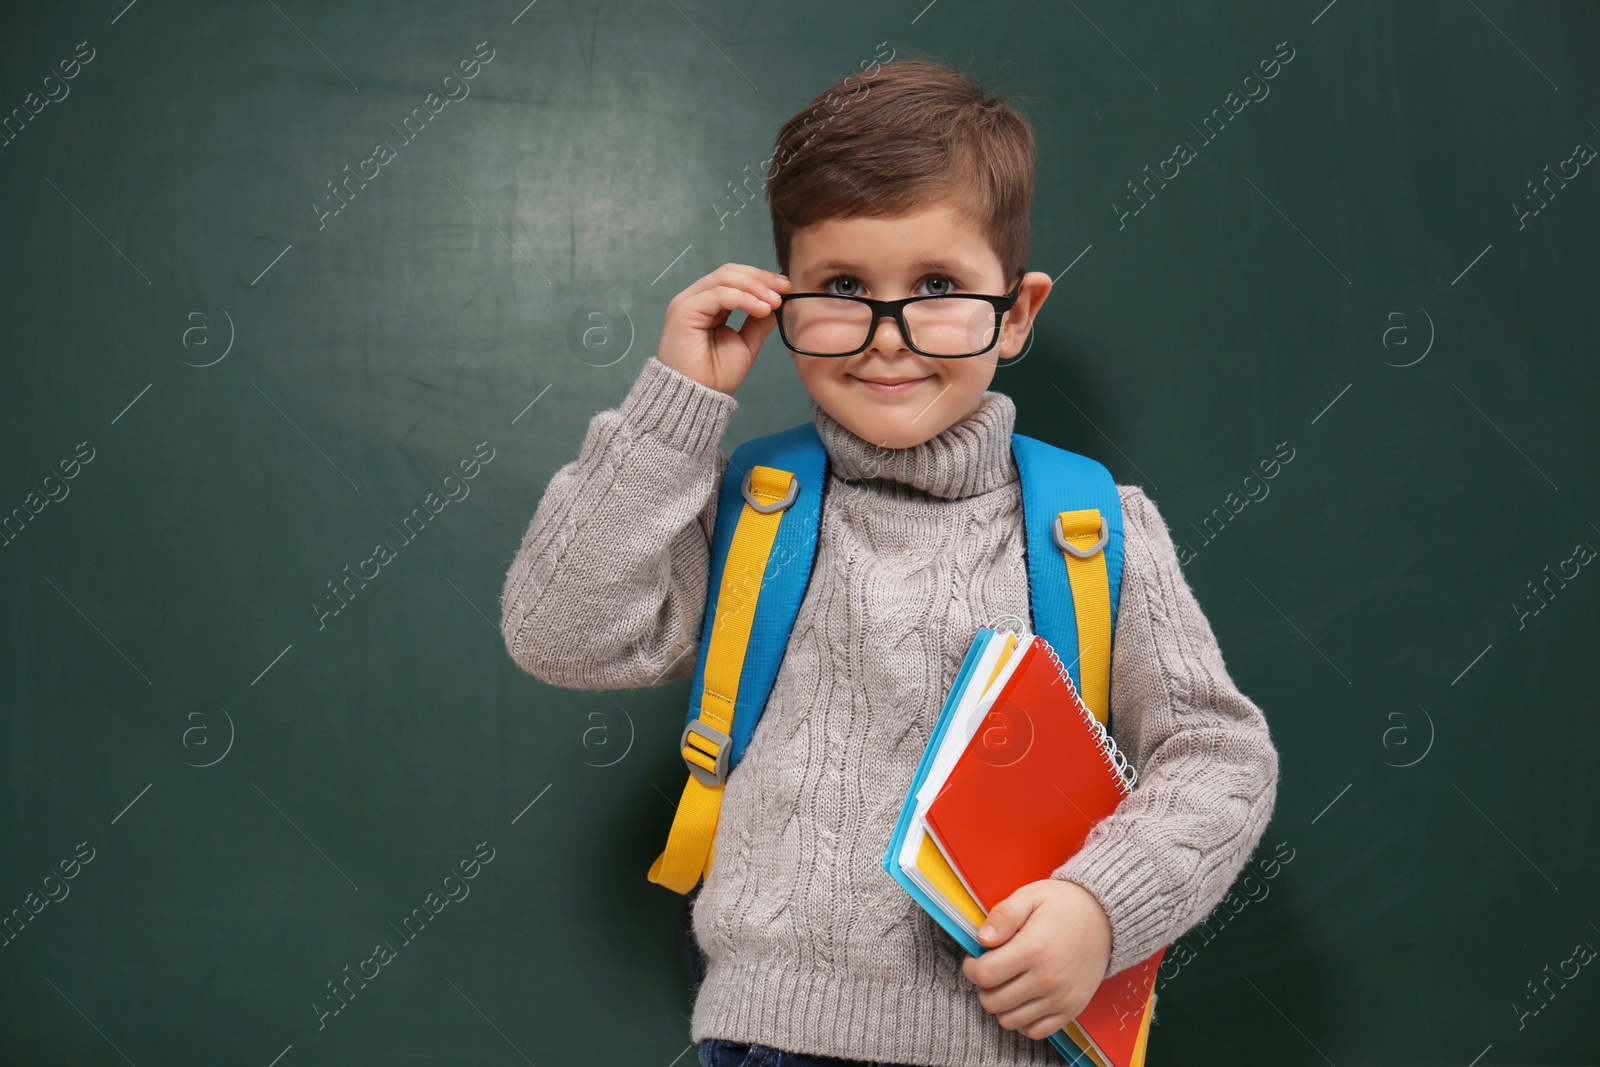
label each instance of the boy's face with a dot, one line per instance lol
(928, 252)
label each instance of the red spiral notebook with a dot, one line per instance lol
(1036, 776)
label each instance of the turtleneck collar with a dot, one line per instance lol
(973, 456)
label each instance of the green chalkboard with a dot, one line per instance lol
(303, 304)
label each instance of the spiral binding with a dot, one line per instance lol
(1108, 745)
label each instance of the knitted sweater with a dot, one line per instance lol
(811, 946)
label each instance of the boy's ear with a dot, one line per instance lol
(1032, 292)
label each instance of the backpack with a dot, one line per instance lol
(761, 554)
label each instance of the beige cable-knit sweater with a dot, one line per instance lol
(811, 946)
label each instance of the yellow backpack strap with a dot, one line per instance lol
(1073, 511)
(706, 741)
(1082, 536)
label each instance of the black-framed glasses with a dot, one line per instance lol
(944, 327)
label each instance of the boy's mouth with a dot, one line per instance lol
(891, 386)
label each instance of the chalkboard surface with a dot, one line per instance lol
(230, 374)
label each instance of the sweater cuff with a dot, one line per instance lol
(1126, 882)
(674, 408)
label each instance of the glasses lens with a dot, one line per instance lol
(951, 325)
(826, 326)
(945, 326)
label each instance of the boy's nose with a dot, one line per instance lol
(893, 342)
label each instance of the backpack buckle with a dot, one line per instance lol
(767, 509)
(715, 777)
(1082, 553)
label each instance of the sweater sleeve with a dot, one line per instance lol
(607, 590)
(1208, 770)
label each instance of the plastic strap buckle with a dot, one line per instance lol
(712, 778)
(1082, 553)
(768, 509)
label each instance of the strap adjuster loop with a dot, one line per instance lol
(1081, 553)
(768, 509)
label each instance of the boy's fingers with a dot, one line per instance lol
(762, 276)
(725, 298)
(693, 333)
(764, 283)
(755, 331)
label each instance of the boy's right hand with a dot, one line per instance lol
(696, 340)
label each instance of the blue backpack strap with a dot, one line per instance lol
(798, 450)
(1056, 480)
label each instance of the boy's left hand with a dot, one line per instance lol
(1047, 954)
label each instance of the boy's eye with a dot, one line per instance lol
(939, 285)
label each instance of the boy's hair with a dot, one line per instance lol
(897, 137)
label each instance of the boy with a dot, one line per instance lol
(919, 184)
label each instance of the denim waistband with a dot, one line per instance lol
(716, 1052)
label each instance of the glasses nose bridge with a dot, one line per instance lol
(894, 311)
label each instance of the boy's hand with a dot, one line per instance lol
(695, 339)
(1045, 958)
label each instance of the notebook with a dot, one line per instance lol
(1014, 738)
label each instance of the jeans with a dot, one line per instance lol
(715, 1052)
